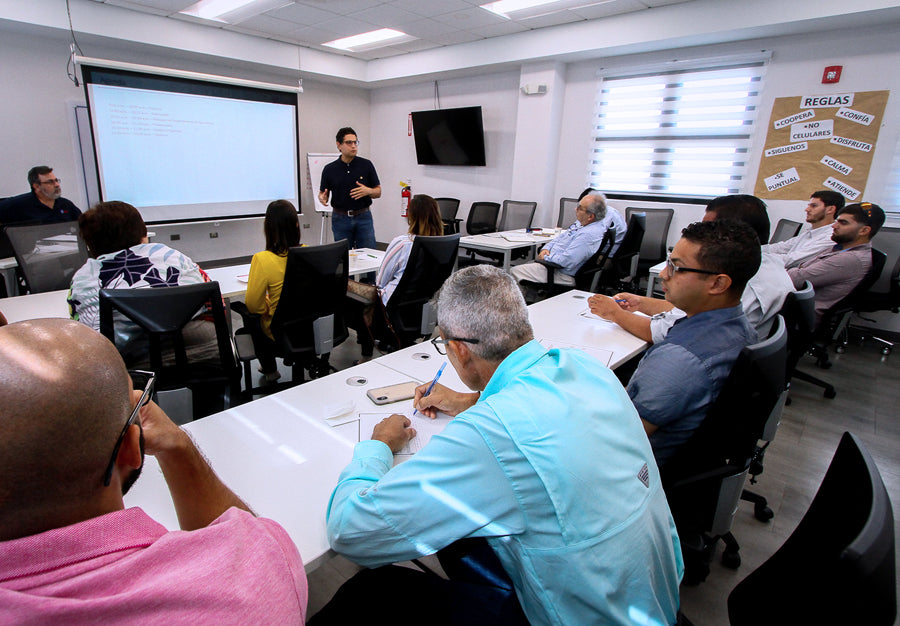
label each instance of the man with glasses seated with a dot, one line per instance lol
(75, 429)
(678, 378)
(351, 183)
(44, 203)
(544, 474)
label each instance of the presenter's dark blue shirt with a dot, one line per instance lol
(28, 208)
(339, 178)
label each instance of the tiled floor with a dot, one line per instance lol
(868, 397)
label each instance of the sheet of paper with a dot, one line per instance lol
(425, 427)
(604, 356)
(596, 318)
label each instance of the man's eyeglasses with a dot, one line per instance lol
(50, 181)
(352, 142)
(437, 343)
(145, 398)
(671, 268)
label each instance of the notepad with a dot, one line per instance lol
(425, 427)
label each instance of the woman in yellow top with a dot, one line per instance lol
(282, 228)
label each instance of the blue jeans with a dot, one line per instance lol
(359, 230)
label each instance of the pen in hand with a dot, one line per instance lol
(434, 380)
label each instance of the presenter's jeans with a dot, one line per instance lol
(359, 230)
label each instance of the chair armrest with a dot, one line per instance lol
(551, 269)
(354, 297)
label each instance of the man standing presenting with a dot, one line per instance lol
(74, 436)
(820, 213)
(352, 183)
(44, 203)
(834, 273)
(546, 462)
(678, 378)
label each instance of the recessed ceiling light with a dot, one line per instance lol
(231, 11)
(369, 41)
(533, 8)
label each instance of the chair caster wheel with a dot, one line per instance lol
(731, 559)
(763, 513)
(830, 393)
(885, 351)
(840, 349)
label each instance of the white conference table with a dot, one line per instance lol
(653, 277)
(509, 240)
(232, 283)
(283, 454)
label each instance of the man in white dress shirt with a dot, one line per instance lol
(820, 213)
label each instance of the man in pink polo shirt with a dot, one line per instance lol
(70, 552)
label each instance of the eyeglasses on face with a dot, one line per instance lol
(671, 268)
(351, 142)
(50, 181)
(145, 398)
(437, 343)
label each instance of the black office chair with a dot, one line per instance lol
(784, 230)
(517, 214)
(656, 234)
(48, 255)
(833, 325)
(586, 278)
(449, 208)
(621, 274)
(884, 295)
(567, 208)
(162, 313)
(838, 566)
(482, 218)
(409, 314)
(704, 479)
(309, 319)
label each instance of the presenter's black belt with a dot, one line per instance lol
(350, 213)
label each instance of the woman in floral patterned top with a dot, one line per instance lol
(122, 258)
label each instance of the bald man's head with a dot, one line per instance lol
(64, 398)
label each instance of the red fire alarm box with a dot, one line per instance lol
(832, 74)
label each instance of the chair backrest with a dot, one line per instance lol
(482, 218)
(838, 566)
(517, 214)
(431, 262)
(625, 259)
(656, 233)
(799, 313)
(705, 476)
(315, 286)
(162, 313)
(838, 315)
(588, 275)
(48, 255)
(888, 241)
(449, 207)
(785, 229)
(567, 208)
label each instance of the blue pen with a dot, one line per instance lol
(620, 300)
(431, 386)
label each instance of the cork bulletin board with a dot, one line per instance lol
(820, 142)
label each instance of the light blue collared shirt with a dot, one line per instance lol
(575, 246)
(553, 467)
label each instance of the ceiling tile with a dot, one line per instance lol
(301, 14)
(616, 7)
(342, 7)
(423, 29)
(552, 19)
(159, 7)
(315, 35)
(431, 8)
(388, 16)
(459, 36)
(345, 26)
(472, 17)
(270, 25)
(417, 45)
(508, 27)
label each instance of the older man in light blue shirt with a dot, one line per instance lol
(548, 462)
(572, 248)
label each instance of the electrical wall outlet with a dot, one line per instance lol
(213, 235)
(175, 237)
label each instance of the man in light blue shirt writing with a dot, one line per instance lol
(546, 461)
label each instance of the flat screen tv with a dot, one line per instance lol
(449, 136)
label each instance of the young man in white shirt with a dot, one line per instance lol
(820, 213)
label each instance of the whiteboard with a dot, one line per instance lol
(316, 162)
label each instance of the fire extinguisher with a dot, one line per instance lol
(405, 196)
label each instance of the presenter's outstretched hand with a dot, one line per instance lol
(394, 431)
(360, 191)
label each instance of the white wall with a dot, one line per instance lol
(393, 151)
